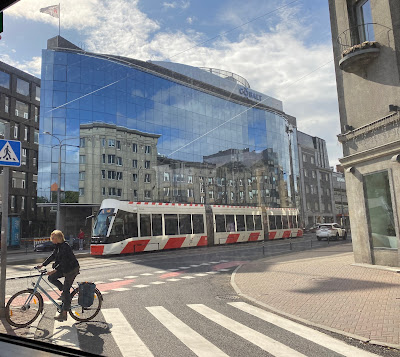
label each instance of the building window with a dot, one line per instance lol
(111, 159)
(179, 178)
(6, 103)
(34, 162)
(134, 164)
(313, 174)
(26, 133)
(111, 143)
(37, 94)
(329, 207)
(22, 87)
(380, 210)
(16, 131)
(364, 19)
(135, 193)
(134, 177)
(103, 191)
(36, 137)
(307, 189)
(134, 147)
(312, 160)
(103, 174)
(147, 178)
(119, 161)
(81, 191)
(201, 199)
(4, 80)
(166, 191)
(304, 158)
(82, 159)
(24, 152)
(210, 194)
(118, 145)
(13, 201)
(147, 194)
(82, 142)
(119, 176)
(201, 187)
(210, 180)
(190, 179)
(22, 203)
(166, 176)
(147, 164)
(82, 176)
(147, 149)
(103, 142)
(111, 175)
(119, 192)
(316, 206)
(308, 206)
(190, 192)
(36, 114)
(328, 191)
(13, 182)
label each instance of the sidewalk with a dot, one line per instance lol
(324, 288)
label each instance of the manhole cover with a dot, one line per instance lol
(228, 297)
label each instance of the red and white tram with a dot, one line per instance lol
(128, 227)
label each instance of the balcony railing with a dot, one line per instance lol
(368, 34)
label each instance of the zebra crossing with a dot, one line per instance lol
(130, 340)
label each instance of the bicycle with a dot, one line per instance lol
(24, 307)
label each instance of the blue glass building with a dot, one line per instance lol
(209, 131)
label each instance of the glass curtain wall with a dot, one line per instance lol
(171, 142)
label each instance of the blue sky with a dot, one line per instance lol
(277, 50)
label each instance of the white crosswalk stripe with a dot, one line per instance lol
(197, 343)
(123, 334)
(303, 331)
(266, 343)
(65, 333)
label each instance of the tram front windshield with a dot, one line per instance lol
(102, 222)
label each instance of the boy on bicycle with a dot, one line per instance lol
(65, 265)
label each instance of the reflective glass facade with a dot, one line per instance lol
(213, 149)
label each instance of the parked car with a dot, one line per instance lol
(331, 230)
(311, 229)
(46, 246)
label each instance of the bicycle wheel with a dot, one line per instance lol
(21, 314)
(80, 313)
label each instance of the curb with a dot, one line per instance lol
(40, 260)
(304, 321)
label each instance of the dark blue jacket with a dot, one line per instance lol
(64, 258)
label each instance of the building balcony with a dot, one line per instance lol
(361, 45)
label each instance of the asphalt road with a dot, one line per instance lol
(177, 303)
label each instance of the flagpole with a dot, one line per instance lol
(59, 18)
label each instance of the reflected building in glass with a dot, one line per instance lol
(201, 135)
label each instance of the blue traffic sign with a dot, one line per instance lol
(10, 153)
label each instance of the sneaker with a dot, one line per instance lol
(62, 316)
(61, 297)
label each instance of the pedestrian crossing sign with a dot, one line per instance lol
(10, 153)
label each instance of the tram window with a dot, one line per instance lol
(145, 225)
(230, 223)
(118, 227)
(171, 224)
(272, 223)
(290, 221)
(198, 223)
(278, 222)
(240, 223)
(257, 221)
(220, 223)
(156, 220)
(131, 224)
(249, 222)
(285, 222)
(297, 221)
(185, 224)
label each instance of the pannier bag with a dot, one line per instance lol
(86, 294)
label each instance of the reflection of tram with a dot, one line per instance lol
(128, 227)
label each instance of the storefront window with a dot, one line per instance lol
(379, 210)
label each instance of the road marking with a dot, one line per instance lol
(173, 279)
(212, 272)
(223, 269)
(140, 286)
(201, 274)
(205, 264)
(158, 282)
(172, 269)
(193, 340)
(195, 266)
(33, 327)
(302, 331)
(48, 302)
(65, 333)
(99, 282)
(116, 279)
(264, 342)
(188, 277)
(130, 277)
(147, 274)
(160, 271)
(184, 267)
(121, 289)
(214, 262)
(123, 334)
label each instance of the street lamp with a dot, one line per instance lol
(60, 144)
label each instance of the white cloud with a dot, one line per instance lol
(191, 19)
(32, 67)
(177, 4)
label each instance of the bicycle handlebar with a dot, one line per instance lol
(41, 270)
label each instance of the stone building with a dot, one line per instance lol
(366, 46)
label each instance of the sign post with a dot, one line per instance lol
(10, 155)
